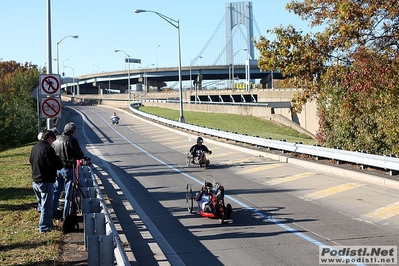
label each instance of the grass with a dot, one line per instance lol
(250, 125)
(20, 241)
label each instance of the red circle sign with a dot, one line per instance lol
(50, 84)
(51, 107)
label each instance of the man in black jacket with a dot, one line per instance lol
(44, 163)
(68, 149)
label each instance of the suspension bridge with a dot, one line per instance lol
(227, 60)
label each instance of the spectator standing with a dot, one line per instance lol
(68, 149)
(44, 163)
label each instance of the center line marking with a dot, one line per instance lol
(289, 178)
(331, 191)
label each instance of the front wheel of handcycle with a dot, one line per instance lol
(188, 158)
(189, 198)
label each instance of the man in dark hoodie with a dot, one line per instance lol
(68, 149)
(44, 163)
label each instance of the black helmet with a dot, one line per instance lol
(208, 184)
(200, 140)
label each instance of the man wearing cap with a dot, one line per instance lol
(68, 149)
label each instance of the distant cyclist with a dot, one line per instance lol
(198, 151)
(114, 119)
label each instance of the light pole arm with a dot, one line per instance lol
(58, 58)
(171, 21)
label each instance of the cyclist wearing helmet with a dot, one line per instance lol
(198, 151)
(204, 197)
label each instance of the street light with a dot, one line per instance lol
(232, 67)
(128, 72)
(146, 78)
(58, 60)
(63, 66)
(98, 68)
(156, 54)
(176, 24)
(73, 79)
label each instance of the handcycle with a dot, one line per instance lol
(114, 121)
(198, 160)
(216, 208)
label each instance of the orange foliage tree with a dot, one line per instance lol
(350, 68)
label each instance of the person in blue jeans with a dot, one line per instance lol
(44, 163)
(68, 149)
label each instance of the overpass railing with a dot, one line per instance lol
(384, 162)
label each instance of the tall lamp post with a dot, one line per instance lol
(73, 79)
(58, 58)
(176, 24)
(232, 67)
(146, 77)
(98, 68)
(128, 72)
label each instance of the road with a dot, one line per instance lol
(282, 213)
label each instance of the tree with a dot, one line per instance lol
(350, 67)
(18, 115)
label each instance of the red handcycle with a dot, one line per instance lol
(210, 201)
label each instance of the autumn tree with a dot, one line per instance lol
(350, 68)
(18, 114)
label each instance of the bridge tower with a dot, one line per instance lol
(238, 13)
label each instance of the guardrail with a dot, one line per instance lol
(101, 236)
(364, 159)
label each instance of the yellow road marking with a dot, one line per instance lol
(385, 212)
(260, 168)
(185, 146)
(248, 159)
(290, 178)
(146, 130)
(223, 154)
(331, 191)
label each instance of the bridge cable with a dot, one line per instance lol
(210, 39)
(225, 47)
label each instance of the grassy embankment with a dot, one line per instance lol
(20, 241)
(250, 125)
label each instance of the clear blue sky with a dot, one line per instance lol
(104, 25)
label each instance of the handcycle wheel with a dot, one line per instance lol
(222, 213)
(229, 211)
(189, 198)
(188, 158)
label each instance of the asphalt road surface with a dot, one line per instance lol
(282, 213)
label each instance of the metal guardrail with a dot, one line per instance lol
(119, 251)
(378, 161)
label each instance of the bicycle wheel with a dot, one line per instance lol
(188, 158)
(189, 198)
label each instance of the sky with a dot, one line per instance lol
(104, 26)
